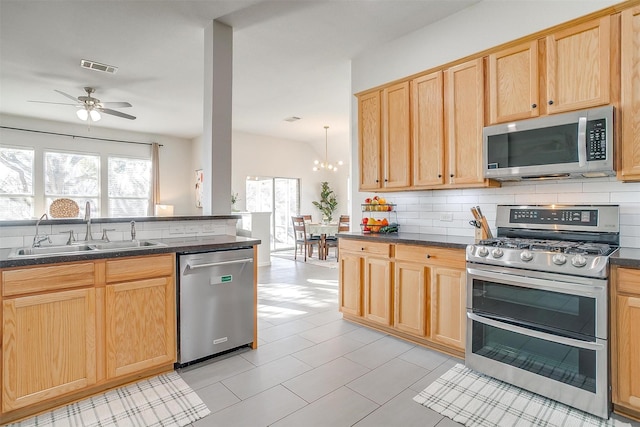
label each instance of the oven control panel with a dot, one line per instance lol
(584, 217)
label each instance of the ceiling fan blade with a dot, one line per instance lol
(58, 103)
(116, 113)
(67, 95)
(115, 104)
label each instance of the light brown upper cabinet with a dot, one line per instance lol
(396, 136)
(384, 137)
(578, 66)
(568, 70)
(513, 83)
(630, 96)
(464, 120)
(369, 143)
(427, 117)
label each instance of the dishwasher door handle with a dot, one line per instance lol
(216, 264)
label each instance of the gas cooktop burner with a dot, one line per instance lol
(559, 246)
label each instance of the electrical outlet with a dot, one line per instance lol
(446, 216)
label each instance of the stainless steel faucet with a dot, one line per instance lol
(87, 217)
(37, 239)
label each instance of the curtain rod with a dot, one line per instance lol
(80, 136)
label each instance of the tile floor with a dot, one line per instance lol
(314, 369)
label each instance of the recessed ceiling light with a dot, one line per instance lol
(292, 119)
(96, 66)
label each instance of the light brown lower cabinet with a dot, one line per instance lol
(625, 340)
(73, 329)
(48, 346)
(140, 317)
(415, 292)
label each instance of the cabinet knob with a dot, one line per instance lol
(377, 180)
(439, 175)
(386, 180)
(362, 249)
(428, 256)
(451, 176)
(551, 102)
(534, 105)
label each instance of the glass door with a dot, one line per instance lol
(281, 197)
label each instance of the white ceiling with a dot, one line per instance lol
(291, 58)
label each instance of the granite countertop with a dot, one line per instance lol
(180, 244)
(626, 257)
(454, 242)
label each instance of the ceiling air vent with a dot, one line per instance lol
(292, 119)
(96, 66)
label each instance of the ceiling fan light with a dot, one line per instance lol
(82, 114)
(95, 115)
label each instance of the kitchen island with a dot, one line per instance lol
(75, 325)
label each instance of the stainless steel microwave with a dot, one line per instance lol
(570, 145)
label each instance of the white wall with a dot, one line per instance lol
(258, 155)
(175, 154)
(479, 27)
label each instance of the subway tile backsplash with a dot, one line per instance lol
(18, 236)
(421, 211)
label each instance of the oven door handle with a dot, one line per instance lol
(536, 334)
(592, 291)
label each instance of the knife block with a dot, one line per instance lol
(480, 234)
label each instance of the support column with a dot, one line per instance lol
(216, 135)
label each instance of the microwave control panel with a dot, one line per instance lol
(597, 139)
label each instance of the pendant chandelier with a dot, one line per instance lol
(318, 165)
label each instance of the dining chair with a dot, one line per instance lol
(307, 218)
(303, 241)
(332, 241)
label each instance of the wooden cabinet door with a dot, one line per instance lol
(396, 138)
(465, 119)
(410, 300)
(628, 351)
(578, 66)
(513, 83)
(140, 325)
(630, 96)
(448, 323)
(369, 143)
(427, 118)
(48, 346)
(377, 290)
(350, 283)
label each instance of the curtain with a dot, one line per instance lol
(155, 176)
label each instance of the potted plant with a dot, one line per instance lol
(328, 202)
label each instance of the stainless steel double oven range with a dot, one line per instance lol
(537, 302)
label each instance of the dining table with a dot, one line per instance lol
(323, 230)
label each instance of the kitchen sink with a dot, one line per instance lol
(50, 250)
(84, 247)
(126, 244)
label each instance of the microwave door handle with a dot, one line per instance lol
(582, 141)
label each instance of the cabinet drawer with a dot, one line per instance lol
(431, 255)
(628, 280)
(47, 278)
(142, 267)
(368, 248)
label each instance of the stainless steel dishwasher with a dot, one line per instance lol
(215, 303)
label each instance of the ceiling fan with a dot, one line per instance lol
(89, 108)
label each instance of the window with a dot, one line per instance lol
(281, 197)
(129, 186)
(16, 183)
(32, 178)
(73, 176)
